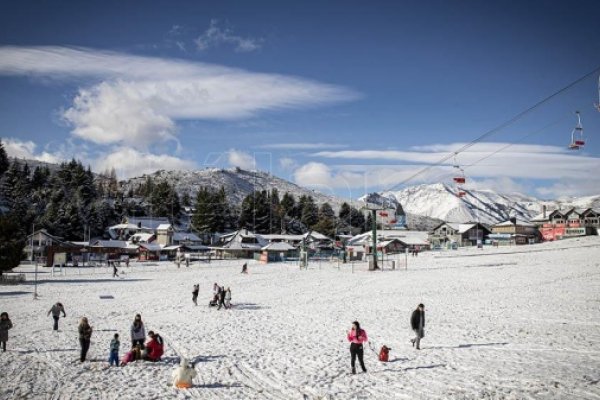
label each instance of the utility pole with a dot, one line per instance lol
(373, 208)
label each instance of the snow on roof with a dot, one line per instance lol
(185, 236)
(278, 246)
(519, 222)
(151, 246)
(113, 244)
(141, 237)
(163, 227)
(123, 226)
(541, 218)
(405, 236)
(174, 247)
(147, 222)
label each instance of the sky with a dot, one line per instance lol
(346, 97)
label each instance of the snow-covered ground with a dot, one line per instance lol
(514, 323)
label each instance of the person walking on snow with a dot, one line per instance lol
(245, 268)
(56, 310)
(5, 325)
(195, 294)
(357, 337)
(85, 336)
(138, 332)
(221, 297)
(114, 351)
(417, 323)
(183, 376)
(115, 270)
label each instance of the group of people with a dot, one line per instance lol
(221, 297)
(357, 336)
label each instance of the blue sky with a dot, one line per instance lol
(347, 97)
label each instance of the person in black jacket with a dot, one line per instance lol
(417, 323)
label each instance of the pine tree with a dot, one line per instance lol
(4, 163)
(310, 212)
(327, 223)
(12, 242)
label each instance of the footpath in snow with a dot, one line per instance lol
(507, 323)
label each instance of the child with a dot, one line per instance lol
(182, 376)
(5, 325)
(114, 351)
(134, 354)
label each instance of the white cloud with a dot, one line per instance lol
(287, 164)
(302, 146)
(518, 161)
(129, 162)
(27, 150)
(215, 36)
(138, 99)
(319, 175)
(237, 158)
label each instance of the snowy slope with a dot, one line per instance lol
(440, 201)
(506, 323)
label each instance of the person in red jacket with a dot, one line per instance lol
(357, 337)
(155, 347)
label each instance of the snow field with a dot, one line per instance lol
(506, 323)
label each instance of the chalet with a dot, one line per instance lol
(239, 244)
(388, 241)
(41, 240)
(514, 231)
(462, 234)
(313, 240)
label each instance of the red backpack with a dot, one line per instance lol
(384, 353)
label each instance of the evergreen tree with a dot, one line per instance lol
(4, 163)
(327, 223)
(12, 242)
(310, 212)
(164, 201)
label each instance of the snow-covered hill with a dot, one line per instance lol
(487, 206)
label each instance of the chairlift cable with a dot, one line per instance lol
(496, 129)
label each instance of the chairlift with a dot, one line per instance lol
(577, 141)
(459, 179)
(461, 193)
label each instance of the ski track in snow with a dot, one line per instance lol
(518, 323)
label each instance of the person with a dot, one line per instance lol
(187, 260)
(85, 336)
(114, 351)
(195, 294)
(245, 268)
(417, 323)
(138, 332)
(228, 298)
(115, 270)
(5, 325)
(183, 376)
(221, 297)
(127, 262)
(357, 337)
(154, 348)
(56, 310)
(134, 354)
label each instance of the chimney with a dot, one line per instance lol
(544, 211)
(513, 220)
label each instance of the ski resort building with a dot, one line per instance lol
(514, 231)
(389, 241)
(448, 233)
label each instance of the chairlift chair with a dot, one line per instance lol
(577, 135)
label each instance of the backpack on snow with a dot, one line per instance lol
(384, 353)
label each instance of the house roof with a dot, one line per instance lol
(113, 244)
(141, 237)
(519, 222)
(164, 227)
(278, 246)
(147, 222)
(185, 236)
(150, 246)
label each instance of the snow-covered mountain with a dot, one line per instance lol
(238, 183)
(487, 206)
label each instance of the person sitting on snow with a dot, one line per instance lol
(182, 376)
(154, 348)
(134, 354)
